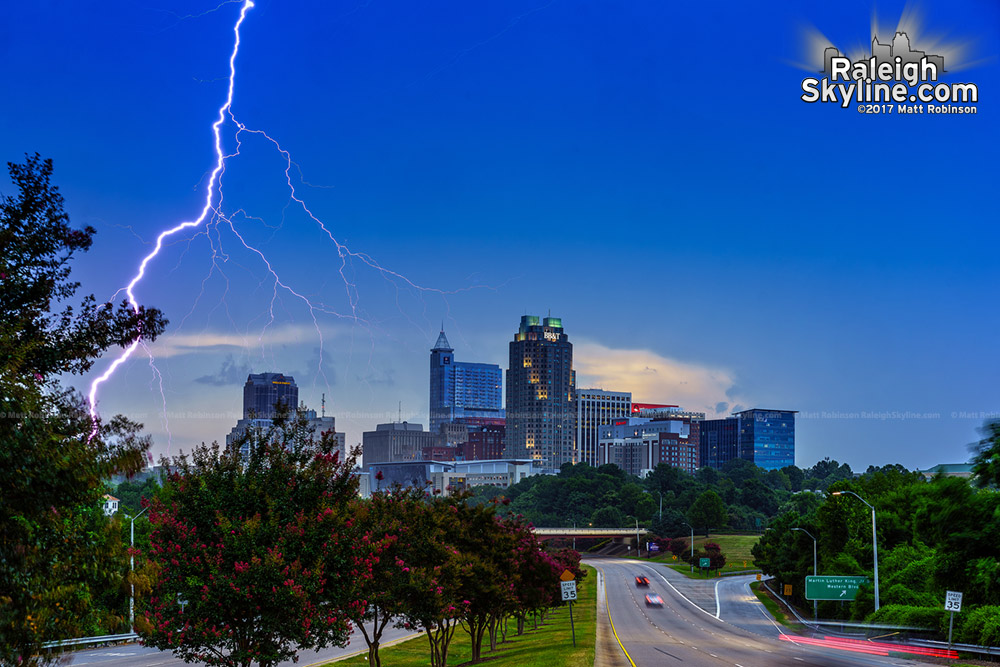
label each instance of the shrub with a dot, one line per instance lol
(980, 626)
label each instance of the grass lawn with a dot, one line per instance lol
(550, 644)
(735, 547)
(773, 608)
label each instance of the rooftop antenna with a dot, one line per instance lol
(322, 404)
(400, 412)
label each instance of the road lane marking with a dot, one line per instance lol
(709, 614)
(718, 602)
(608, 608)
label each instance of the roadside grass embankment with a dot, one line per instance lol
(550, 644)
(736, 549)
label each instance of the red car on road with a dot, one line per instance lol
(641, 581)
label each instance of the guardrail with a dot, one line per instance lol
(81, 641)
(733, 574)
(926, 643)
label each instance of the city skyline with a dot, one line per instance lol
(711, 250)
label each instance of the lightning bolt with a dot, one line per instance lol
(208, 223)
(220, 160)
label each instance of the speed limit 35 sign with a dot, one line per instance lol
(952, 601)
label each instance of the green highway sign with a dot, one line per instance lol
(833, 588)
(704, 562)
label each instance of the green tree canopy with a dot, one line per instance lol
(707, 512)
(53, 462)
(986, 464)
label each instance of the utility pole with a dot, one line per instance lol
(131, 569)
(692, 544)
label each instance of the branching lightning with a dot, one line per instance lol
(219, 164)
(212, 216)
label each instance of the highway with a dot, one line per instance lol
(697, 627)
(135, 655)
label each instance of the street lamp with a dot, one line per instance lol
(661, 505)
(803, 530)
(131, 569)
(692, 544)
(638, 551)
(874, 538)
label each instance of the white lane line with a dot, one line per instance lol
(718, 602)
(709, 614)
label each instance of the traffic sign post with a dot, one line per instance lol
(568, 590)
(568, 595)
(705, 563)
(833, 587)
(952, 603)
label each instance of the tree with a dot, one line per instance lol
(256, 554)
(432, 592)
(795, 477)
(986, 464)
(396, 514)
(54, 458)
(708, 512)
(712, 551)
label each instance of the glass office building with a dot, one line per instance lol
(462, 391)
(541, 417)
(767, 437)
(263, 391)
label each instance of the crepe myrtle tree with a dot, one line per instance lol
(255, 552)
(393, 517)
(435, 590)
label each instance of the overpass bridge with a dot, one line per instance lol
(589, 531)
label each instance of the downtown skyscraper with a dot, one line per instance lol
(263, 391)
(541, 417)
(460, 391)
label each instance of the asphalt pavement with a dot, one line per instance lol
(136, 655)
(705, 622)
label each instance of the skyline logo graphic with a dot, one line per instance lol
(894, 78)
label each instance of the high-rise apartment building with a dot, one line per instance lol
(540, 387)
(263, 391)
(461, 391)
(595, 407)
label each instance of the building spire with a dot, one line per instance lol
(442, 344)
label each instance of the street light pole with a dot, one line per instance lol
(874, 538)
(692, 544)
(131, 569)
(638, 551)
(638, 544)
(815, 609)
(661, 505)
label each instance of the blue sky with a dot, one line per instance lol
(646, 171)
